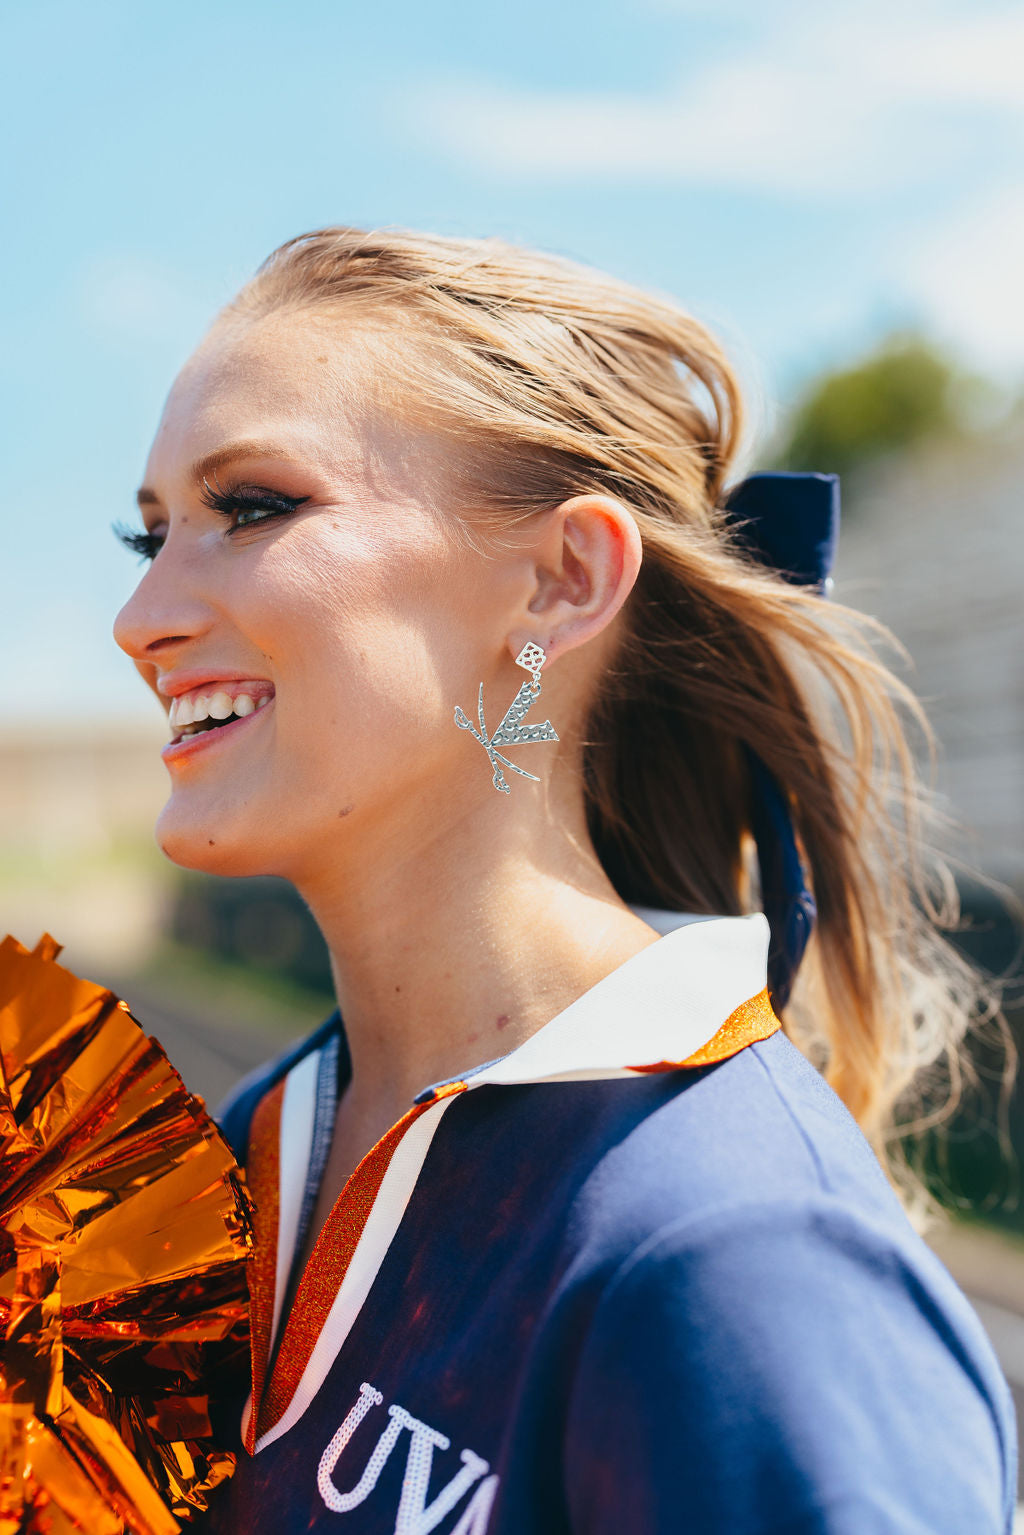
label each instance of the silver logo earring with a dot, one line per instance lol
(510, 732)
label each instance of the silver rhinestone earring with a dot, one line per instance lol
(510, 732)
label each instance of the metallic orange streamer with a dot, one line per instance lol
(125, 1229)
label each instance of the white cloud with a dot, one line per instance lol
(853, 98)
(968, 278)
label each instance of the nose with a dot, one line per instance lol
(163, 613)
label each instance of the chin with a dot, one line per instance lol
(207, 844)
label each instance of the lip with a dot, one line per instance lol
(187, 747)
(187, 682)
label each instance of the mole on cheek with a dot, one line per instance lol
(211, 842)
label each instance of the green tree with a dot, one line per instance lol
(902, 394)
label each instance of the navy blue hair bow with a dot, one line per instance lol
(790, 523)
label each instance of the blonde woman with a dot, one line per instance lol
(462, 628)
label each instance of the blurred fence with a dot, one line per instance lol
(259, 923)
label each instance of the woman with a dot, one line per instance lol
(560, 1231)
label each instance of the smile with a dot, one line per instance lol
(210, 713)
(211, 707)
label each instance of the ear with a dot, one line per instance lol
(586, 556)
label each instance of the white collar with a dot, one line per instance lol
(662, 1004)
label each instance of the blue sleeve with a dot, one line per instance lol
(790, 1369)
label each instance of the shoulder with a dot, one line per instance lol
(756, 1318)
(756, 1127)
(800, 1354)
(234, 1114)
(752, 1198)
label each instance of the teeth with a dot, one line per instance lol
(186, 714)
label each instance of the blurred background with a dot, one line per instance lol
(836, 190)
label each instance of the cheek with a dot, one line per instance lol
(368, 645)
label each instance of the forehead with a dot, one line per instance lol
(301, 379)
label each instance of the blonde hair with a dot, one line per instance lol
(556, 381)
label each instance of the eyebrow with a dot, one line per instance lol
(251, 447)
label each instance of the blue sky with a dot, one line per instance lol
(802, 176)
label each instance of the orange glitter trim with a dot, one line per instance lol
(751, 1021)
(263, 1172)
(328, 1265)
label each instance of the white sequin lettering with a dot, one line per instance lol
(478, 1509)
(414, 1517)
(343, 1502)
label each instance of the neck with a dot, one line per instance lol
(452, 947)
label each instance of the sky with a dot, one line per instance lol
(804, 177)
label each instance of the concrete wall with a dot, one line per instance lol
(935, 548)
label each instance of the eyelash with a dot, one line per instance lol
(227, 503)
(146, 545)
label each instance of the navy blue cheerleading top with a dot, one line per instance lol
(641, 1275)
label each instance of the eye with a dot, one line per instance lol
(146, 545)
(244, 505)
(247, 505)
